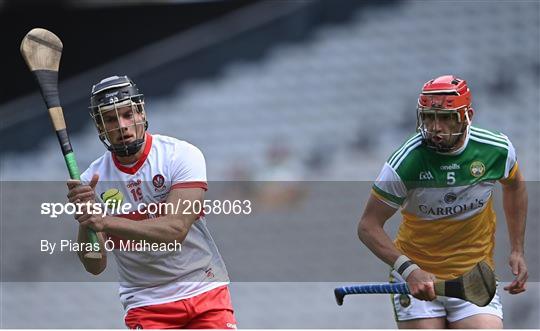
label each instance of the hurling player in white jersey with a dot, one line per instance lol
(442, 179)
(174, 286)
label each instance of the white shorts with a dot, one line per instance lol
(407, 307)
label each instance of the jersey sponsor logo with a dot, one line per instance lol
(425, 175)
(453, 166)
(454, 210)
(112, 198)
(477, 168)
(450, 197)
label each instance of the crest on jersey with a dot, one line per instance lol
(450, 197)
(404, 300)
(159, 183)
(477, 169)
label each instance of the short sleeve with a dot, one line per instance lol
(511, 161)
(511, 165)
(188, 167)
(389, 187)
(86, 176)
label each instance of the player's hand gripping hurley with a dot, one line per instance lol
(41, 50)
(477, 286)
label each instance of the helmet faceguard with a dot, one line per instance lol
(108, 97)
(443, 112)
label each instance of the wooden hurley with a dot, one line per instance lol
(42, 50)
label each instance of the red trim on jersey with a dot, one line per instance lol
(115, 241)
(138, 216)
(134, 216)
(133, 169)
(202, 185)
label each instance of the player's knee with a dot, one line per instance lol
(480, 321)
(423, 323)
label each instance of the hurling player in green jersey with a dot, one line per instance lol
(442, 179)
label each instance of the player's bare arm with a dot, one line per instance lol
(515, 202)
(371, 233)
(79, 193)
(167, 228)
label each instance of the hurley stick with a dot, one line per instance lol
(41, 50)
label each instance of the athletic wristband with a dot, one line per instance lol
(402, 259)
(409, 270)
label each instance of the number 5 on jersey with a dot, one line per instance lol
(450, 178)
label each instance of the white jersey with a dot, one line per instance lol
(150, 277)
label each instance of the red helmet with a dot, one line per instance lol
(446, 93)
(444, 96)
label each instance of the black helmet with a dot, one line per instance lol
(110, 94)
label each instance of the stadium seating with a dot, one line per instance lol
(340, 103)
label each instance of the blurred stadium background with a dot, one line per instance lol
(270, 91)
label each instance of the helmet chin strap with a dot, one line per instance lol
(127, 149)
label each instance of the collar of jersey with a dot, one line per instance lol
(135, 167)
(462, 148)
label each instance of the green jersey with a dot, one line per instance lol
(448, 219)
